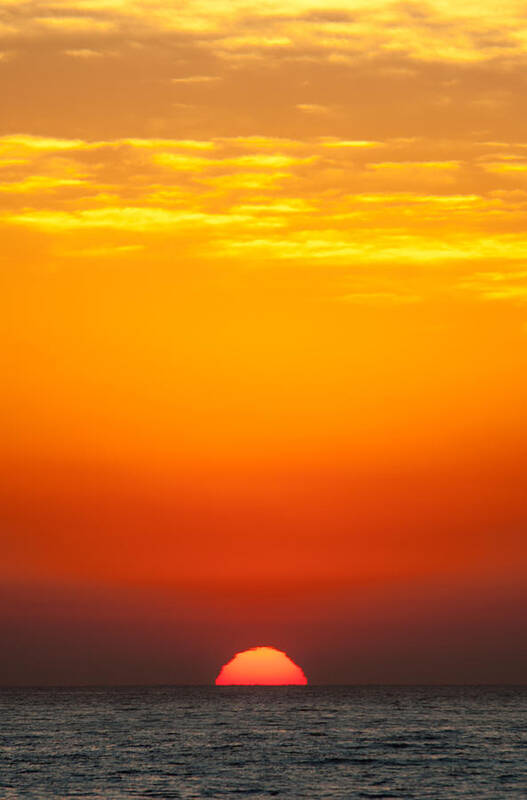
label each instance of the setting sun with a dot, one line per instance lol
(261, 666)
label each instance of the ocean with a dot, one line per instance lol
(262, 742)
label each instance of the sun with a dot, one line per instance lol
(261, 666)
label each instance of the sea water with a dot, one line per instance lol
(263, 742)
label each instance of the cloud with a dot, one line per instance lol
(413, 166)
(380, 298)
(515, 168)
(508, 285)
(29, 142)
(75, 24)
(275, 142)
(406, 199)
(246, 181)
(379, 246)
(183, 163)
(156, 144)
(84, 53)
(122, 218)
(438, 32)
(252, 42)
(105, 252)
(318, 200)
(351, 143)
(269, 161)
(193, 79)
(38, 183)
(283, 206)
(313, 108)
(10, 162)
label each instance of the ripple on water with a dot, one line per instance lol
(318, 743)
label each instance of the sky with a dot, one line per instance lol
(263, 312)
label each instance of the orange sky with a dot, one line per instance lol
(263, 307)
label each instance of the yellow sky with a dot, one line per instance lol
(227, 224)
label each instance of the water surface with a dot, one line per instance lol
(263, 742)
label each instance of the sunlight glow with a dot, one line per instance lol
(261, 666)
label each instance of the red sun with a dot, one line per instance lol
(261, 666)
